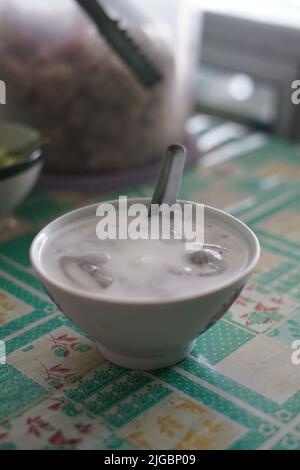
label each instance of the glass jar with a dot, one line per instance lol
(65, 79)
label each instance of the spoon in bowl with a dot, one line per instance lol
(170, 176)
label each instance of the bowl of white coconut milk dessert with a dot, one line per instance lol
(142, 290)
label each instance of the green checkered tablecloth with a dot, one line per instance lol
(238, 389)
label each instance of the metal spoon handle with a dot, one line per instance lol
(169, 180)
(123, 44)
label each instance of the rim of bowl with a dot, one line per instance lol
(17, 168)
(44, 275)
(22, 165)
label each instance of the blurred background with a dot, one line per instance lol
(204, 72)
(251, 50)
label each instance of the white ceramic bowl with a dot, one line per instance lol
(143, 334)
(17, 180)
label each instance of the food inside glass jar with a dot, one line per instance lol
(67, 81)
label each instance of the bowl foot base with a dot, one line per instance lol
(140, 362)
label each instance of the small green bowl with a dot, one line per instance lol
(26, 159)
(20, 144)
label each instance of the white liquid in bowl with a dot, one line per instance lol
(143, 269)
